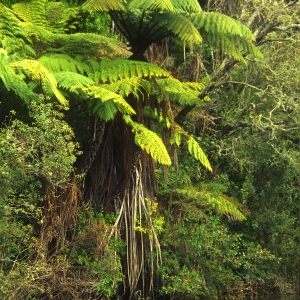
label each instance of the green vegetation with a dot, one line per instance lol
(149, 149)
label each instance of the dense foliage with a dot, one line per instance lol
(149, 149)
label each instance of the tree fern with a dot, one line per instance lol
(149, 141)
(152, 20)
(134, 85)
(183, 28)
(187, 6)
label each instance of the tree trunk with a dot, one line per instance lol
(121, 179)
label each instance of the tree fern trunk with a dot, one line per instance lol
(123, 176)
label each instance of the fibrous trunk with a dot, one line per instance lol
(122, 180)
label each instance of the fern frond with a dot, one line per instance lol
(216, 23)
(12, 36)
(62, 63)
(72, 81)
(103, 5)
(219, 203)
(12, 81)
(183, 28)
(135, 85)
(33, 12)
(98, 98)
(198, 153)
(226, 34)
(106, 111)
(111, 71)
(146, 5)
(38, 72)
(38, 33)
(89, 45)
(149, 141)
(187, 6)
(181, 92)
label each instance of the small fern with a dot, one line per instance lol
(149, 141)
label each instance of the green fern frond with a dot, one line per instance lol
(181, 92)
(12, 36)
(219, 203)
(146, 5)
(216, 23)
(111, 71)
(107, 47)
(62, 63)
(98, 98)
(33, 12)
(12, 81)
(188, 6)
(106, 111)
(225, 207)
(103, 5)
(226, 34)
(198, 153)
(57, 15)
(135, 85)
(38, 33)
(183, 28)
(72, 81)
(149, 141)
(38, 72)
